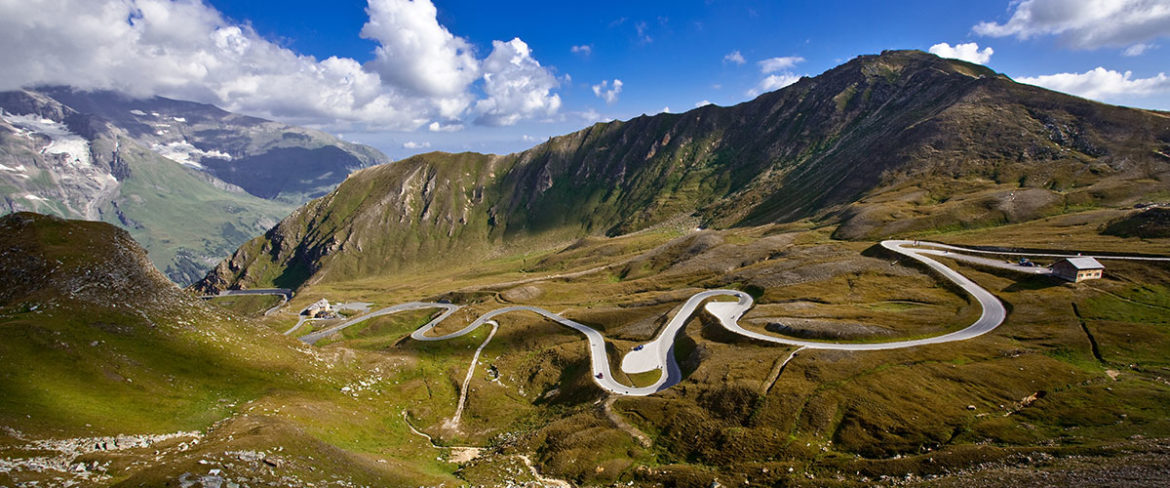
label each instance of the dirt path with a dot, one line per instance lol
(465, 454)
(621, 423)
(775, 374)
(536, 474)
(454, 422)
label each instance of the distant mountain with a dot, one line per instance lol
(883, 145)
(190, 181)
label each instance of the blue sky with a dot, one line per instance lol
(414, 76)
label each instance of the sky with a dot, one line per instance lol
(412, 76)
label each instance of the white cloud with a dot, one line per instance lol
(967, 52)
(590, 116)
(1085, 24)
(584, 49)
(188, 50)
(642, 30)
(703, 103)
(417, 52)
(415, 145)
(1137, 49)
(773, 82)
(516, 85)
(437, 127)
(772, 65)
(606, 93)
(734, 57)
(1101, 83)
(665, 109)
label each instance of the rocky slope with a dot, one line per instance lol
(889, 144)
(190, 181)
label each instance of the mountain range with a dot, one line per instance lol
(115, 376)
(188, 180)
(883, 145)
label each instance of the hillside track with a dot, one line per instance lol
(658, 353)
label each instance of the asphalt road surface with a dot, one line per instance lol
(658, 353)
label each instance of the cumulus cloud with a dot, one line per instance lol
(967, 52)
(779, 74)
(703, 103)
(1085, 24)
(186, 49)
(584, 49)
(516, 85)
(417, 53)
(608, 92)
(734, 57)
(1101, 83)
(665, 109)
(772, 65)
(773, 82)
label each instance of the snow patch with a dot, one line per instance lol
(18, 169)
(179, 119)
(138, 113)
(62, 141)
(187, 154)
(30, 196)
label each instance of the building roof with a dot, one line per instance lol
(1084, 263)
(321, 304)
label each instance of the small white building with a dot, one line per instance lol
(322, 307)
(1078, 269)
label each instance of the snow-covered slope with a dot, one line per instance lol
(189, 181)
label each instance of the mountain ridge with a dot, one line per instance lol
(186, 179)
(884, 144)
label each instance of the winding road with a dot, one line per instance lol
(658, 353)
(285, 295)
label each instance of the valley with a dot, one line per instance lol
(849, 281)
(190, 181)
(716, 360)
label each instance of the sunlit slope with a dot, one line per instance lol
(882, 145)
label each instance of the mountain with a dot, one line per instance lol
(114, 376)
(84, 314)
(883, 145)
(190, 181)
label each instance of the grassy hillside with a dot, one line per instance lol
(1075, 374)
(882, 145)
(100, 349)
(1071, 385)
(184, 220)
